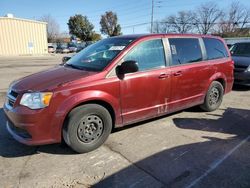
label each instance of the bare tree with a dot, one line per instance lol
(206, 17)
(53, 28)
(235, 19)
(181, 23)
(160, 27)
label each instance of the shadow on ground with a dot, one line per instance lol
(214, 162)
(178, 166)
(241, 88)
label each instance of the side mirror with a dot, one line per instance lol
(65, 59)
(127, 67)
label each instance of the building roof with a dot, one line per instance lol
(22, 19)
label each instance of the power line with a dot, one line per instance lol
(203, 23)
(135, 25)
(191, 23)
(124, 9)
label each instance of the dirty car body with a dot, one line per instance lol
(167, 83)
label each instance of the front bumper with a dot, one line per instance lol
(30, 127)
(242, 78)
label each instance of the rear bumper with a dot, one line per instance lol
(242, 78)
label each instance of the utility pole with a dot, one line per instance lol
(152, 16)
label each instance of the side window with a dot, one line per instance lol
(215, 48)
(148, 54)
(185, 50)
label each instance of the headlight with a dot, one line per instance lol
(36, 100)
(248, 69)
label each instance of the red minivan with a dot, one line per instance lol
(115, 82)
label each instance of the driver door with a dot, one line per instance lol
(144, 94)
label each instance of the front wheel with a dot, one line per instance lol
(213, 97)
(87, 127)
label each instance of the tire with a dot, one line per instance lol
(87, 127)
(213, 97)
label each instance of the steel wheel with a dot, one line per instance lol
(87, 127)
(90, 128)
(214, 96)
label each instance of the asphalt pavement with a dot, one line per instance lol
(189, 148)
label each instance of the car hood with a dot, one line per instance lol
(49, 79)
(240, 60)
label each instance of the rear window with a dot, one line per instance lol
(185, 50)
(215, 48)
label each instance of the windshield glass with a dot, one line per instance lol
(241, 49)
(97, 56)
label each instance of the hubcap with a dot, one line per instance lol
(214, 96)
(90, 128)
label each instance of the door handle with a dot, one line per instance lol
(163, 76)
(178, 73)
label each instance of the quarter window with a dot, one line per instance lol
(215, 48)
(148, 54)
(185, 50)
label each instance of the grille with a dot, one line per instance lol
(13, 93)
(11, 98)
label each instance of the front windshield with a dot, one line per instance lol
(97, 56)
(241, 49)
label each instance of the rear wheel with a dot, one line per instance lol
(213, 97)
(87, 127)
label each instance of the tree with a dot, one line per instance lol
(206, 17)
(53, 29)
(180, 23)
(109, 25)
(235, 20)
(81, 27)
(160, 26)
(96, 37)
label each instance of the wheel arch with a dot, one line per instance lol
(100, 102)
(106, 100)
(219, 77)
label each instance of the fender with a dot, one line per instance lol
(83, 97)
(216, 76)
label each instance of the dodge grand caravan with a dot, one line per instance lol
(115, 82)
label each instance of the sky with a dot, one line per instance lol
(130, 12)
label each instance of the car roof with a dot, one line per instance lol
(137, 36)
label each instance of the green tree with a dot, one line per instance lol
(96, 37)
(81, 27)
(109, 24)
